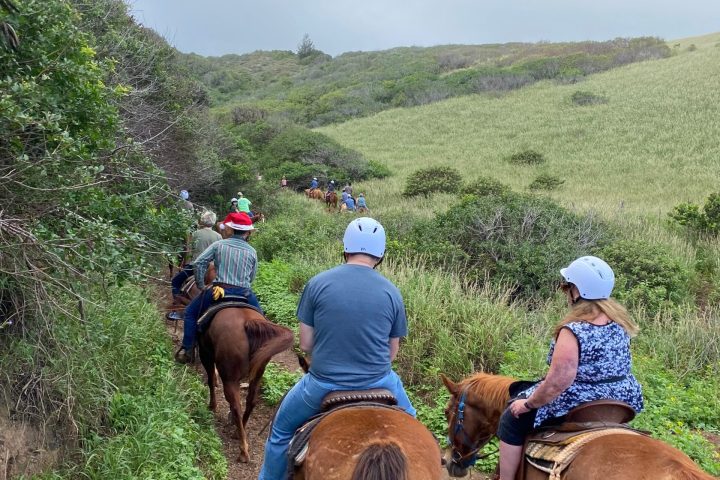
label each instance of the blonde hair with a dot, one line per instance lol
(587, 310)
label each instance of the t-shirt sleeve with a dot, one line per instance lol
(399, 326)
(306, 306)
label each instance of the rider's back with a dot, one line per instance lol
(354, 311)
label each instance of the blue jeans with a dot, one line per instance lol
(180, 277)
(201, 303)
(302, 402)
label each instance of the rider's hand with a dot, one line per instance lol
(218, 292)
(518, 407)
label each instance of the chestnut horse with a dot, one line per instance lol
(370, 444)
(315, 193)
(240, 342)
(611, 457)
(331, 200)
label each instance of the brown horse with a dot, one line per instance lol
(611, 457)
(240, 342)
(315, 193)
(331, 200)
(370, 444)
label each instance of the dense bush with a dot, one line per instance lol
(546, 181)
(432, 180)
(696, 220)
(646, 275)
(520, 240)
(527, 157)
(582, 97)
(483, 186)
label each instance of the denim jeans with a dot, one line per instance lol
(302, 402)
(202, 302)
(180, 277)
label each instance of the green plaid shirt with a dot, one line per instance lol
(235, 263)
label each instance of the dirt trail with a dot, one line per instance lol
(259, 419)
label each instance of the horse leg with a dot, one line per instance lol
(232, 395)
(251, 398)
(208, 360)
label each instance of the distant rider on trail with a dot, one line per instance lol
(235, 267)
(314, 183)
(200, 240)
(353, 339)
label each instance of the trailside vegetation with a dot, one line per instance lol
(96, 127)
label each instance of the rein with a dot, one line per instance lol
(469, 459)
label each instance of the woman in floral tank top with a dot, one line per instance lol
(589, 360)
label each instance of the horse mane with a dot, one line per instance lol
(492, 389)
(381, 461)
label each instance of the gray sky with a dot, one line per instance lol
(217, 27)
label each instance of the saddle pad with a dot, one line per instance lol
(227, 302)
(559, 455)
(341, 397)
(299, 443)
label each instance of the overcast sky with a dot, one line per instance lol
(217, 27)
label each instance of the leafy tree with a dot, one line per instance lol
(306, 47)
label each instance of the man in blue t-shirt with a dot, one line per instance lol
(352, 339)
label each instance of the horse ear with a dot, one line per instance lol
(449, 384)
(303, 363)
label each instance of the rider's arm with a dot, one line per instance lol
(306, 338)
(394, 347)
(201, 264)
(563, 370)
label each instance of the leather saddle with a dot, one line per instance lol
(228, 301)
(334, 401)
(552, 449)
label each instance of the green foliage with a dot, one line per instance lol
(546, 181)
(138, 415)
(314, 89)
(272, 286)
(483, 186)
(276, 383)
(699, 221)
(432, 180)
(527, 157)
(519, 240)
(647, 275)
(582, 97)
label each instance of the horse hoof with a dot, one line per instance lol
(243, 458)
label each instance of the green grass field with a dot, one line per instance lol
(653, 145)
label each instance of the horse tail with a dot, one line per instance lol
(266, 339)
(381, 461)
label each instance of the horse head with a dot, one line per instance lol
(473, 413)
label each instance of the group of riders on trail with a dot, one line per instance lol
(354, 339)
(349, 202)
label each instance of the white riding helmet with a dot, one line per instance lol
(233, 200)
(593, 277)
(184, 194)
(314, 178)
(365, 235)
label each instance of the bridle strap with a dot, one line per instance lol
(471, 457)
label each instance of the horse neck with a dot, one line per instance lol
(492, 392)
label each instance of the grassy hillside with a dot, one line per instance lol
(652, 145)
(317, 89)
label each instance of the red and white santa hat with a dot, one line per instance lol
(239, 221)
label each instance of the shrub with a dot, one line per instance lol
(527, 157)
(691, 47)
(697, 221)
(248, 114)
(646, 275)
(432, 180)
(546, 181)
(582, 97)
(519, 239)
(378, 170)
(483, 186)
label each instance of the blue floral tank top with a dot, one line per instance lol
(603, 371)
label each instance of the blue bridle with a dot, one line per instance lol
(469, 459)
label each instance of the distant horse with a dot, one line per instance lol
(258, 217)
(370, 443)
(240, 342)
(331, 200)
(315, 193)
(610, 457)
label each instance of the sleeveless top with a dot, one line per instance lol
(603, 371)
